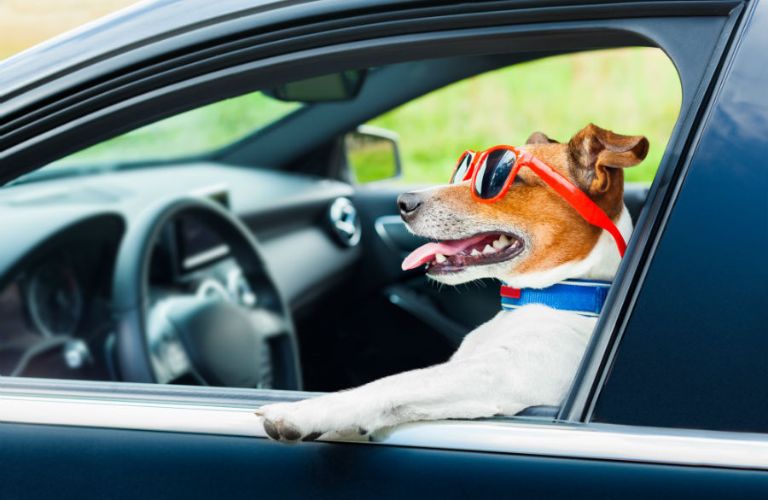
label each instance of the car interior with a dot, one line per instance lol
(272, 261)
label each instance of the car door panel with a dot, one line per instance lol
(78, 462)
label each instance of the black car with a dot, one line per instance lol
(116, 383)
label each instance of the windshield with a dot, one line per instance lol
(193, 133)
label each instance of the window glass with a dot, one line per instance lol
(630, 90)
(196, 132)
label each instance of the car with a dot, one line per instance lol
(151, 303)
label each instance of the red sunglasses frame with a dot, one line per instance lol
(574, 196)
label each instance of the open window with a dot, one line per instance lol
(350, 340)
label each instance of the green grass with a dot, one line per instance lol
(631, 91)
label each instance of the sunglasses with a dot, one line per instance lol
(492, 172)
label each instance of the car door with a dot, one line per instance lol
(107, 440)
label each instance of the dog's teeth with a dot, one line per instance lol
(475, 253)
(498, 244)
(488, 250)
(440, 258)
(504, 240)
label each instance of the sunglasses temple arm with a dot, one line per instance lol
(581, 203)
(601, 220)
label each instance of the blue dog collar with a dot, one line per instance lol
(584, 297)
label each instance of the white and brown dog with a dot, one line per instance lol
(531, 238)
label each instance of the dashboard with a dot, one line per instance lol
(55, 302)
(56, 271)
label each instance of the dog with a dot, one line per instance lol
(531, 239)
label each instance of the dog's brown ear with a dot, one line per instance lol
(594, 150)
(539, 138)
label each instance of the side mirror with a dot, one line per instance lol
(373, 154)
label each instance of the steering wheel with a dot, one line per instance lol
(215, 340)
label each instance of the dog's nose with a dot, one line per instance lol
(408, 203)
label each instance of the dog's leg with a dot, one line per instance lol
(465, 388)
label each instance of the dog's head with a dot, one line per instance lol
(531, 237)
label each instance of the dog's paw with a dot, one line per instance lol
(286, 422)
(310, 419)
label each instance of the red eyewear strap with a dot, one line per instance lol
(574, 196)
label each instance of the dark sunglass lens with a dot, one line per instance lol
(461, 168)
(497, 168)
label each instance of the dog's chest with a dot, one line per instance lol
(531, 328)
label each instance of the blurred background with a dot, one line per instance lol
(631, 91)
(24, 23)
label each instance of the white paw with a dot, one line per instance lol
(304, 420)
(284, 422)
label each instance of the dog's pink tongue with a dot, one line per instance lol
(426, 253)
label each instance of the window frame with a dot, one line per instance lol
(179, 95)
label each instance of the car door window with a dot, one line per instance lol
(630, 89)
(187, 135)
(61, 296)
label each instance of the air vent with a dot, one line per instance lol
(345, 224)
